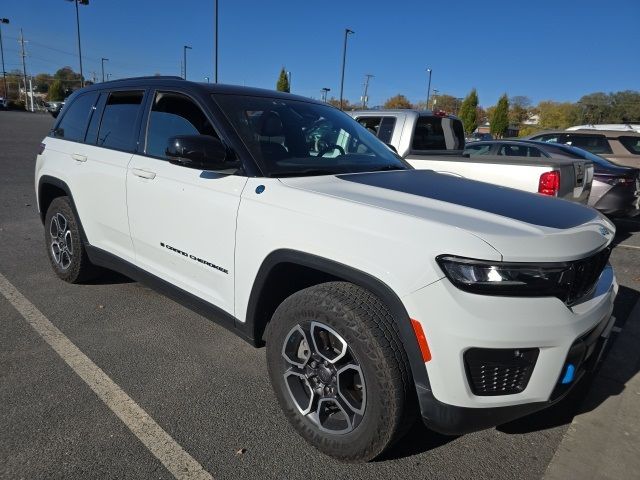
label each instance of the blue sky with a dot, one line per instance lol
(543, 49)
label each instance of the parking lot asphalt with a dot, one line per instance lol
(203, 386)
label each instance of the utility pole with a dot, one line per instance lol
(289, 80)
(102, 60)
(215, 56)
(184, 53)
(435, 95)
(4, 74)
(24, 68)
(347, 32)
(94, 77)
(428, 88)
(366, 88)
(31, 92)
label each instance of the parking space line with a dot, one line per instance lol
(160, 443)
(627, 246)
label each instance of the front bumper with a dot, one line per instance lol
(455, 322)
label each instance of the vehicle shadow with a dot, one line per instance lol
(418, 439)
(108, 277)
(625, 228)
(587, 396)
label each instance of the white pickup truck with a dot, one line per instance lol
(434, 142)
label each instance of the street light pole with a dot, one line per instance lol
(289, 80)
(4, 74)
(429, 88)
(347, 32)
(324, 91)
(215, 60)
(81, 2)
(184, 53)
(103, 60)
(207, 79)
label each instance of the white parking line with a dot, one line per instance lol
(627, 246)
(160, 444)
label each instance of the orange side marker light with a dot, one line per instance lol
(422, 340)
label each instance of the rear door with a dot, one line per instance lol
(111, 140)
(182, 219)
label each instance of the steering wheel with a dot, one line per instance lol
(330, 148)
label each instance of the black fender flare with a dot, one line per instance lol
(357, 277)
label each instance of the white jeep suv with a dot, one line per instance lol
(380, 291)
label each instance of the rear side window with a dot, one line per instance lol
(428, 134)
(549, 138)
(371, 123)
(591, 143)
(73, 124)
(117, 129)
(631, 143)
(477, 149)
(174, 114)
(518, 151)
(381, 127)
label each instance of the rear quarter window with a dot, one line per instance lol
(597, 144)
(73, 124)
(631, 143)
(428, 134)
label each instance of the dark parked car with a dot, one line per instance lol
(615, 190)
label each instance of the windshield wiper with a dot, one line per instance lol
(388, 168)
(309, 172)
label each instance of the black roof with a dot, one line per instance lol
(178, 82)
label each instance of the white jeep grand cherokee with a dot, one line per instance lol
(380, 291)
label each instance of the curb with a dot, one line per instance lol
(603, 441)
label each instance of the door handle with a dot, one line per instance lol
(143, 173)
(79, 158)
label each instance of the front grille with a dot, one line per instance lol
(586, 273)
(499, 371)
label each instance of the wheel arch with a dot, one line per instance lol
(266, 295)
(50, 188)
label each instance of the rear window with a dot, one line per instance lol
(429, 134)
(518, 151)
(117, 129)
(73, 124)
(597, 144)
(631, 143)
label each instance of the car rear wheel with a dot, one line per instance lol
(66, 251)
(339, 370)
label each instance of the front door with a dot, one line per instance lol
(183, 220)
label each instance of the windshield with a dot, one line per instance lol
(297, 138)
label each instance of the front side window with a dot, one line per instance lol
(631, 143)
(295, 138)
(597, 144)
(174, 114)
(117, 128)
(73, 124)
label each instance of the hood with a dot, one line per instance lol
(521, 226)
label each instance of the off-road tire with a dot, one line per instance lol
(370, 331)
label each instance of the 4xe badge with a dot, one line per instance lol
(604, 231)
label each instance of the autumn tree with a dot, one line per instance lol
(398, 101)
(469, 112)
(283, 81)
(556, 115)
(500, 117)
(56, 91)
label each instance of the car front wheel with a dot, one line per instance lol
(339, 370)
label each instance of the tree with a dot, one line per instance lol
(42, 81)
(469, 111)
(500, 118)
(346, 105)
(519, 109)
(283, 81)
(398, 101)
(56, 91)
(446, 103)
(556, 115)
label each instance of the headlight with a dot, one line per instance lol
(509, 279)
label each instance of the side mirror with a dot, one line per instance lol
(392, 148)
(202, 152)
